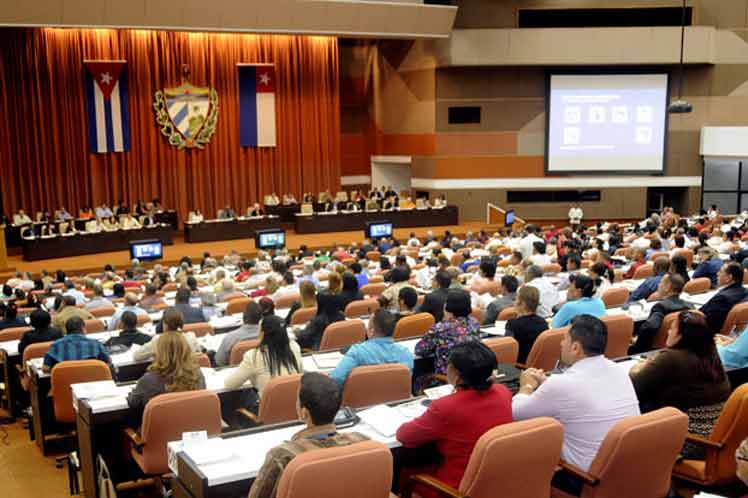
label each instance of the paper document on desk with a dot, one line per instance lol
(383, 419)
(498, 329)
(212, 450)
(327, 361)
(226, 321)
(94, 390)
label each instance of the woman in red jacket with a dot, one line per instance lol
(456, 422)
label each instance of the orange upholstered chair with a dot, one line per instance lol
(546, 351)
(644, 271)
(37, 350)
(14, 333)
(94, 325)
(365, 467)
(697, 285)
(241, 347)
(278, 401)
(200, 329)
(165, 418)
(170, 287)
(67, 373)
(615, 296)
(102, 311)
(478, 314)
(686, 253)
(552, 268)
(361, 307)
(508, 313)
(505, 348)
(620, 331)
(413, 325)
(373, 255)
(644, 446)
(303, 315)
(376, 279)
(738, 315)
(237, 305)
(233, 295)
(375, 384)
(286, 301)
(661, 254)
(343, 333)
(514, 460)
(731, 428)
(373, 289)
(661, 337)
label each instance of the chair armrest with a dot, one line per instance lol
(700, 440)
(432, 483)
(249, 416)
(585, 477)
(135, 440)
(521, 366)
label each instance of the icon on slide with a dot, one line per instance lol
(571, 136)
(596, 114)
(644, 113)
(643, 135)
(620, 114)
(572, 115)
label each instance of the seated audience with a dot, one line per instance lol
(589, 398)
(98, 300)
(307, 299)
(172, 322)
(434, 301)
(249, 330)
(129, 334)
(399, 277)
(174, 369)
(649, 286)
(528, 325)
(407, 301)
(43, 331)
(679, 265)
(71, 290)
(687, 375)
(573, 264)
(350, 290)
(669, 289)
(602, 277)
(189, 313)
(74, 346)
(455, 422)
(10, 317)
(581, 301)
(486, 275)
(151, 299)
(21, 218)
(227, 213)
(505, 299)
(639, 259)
(377, 349)
(731, 292)
(66, 310)
(330, 307)
(319, 402)
(549, 296)
(709, 265)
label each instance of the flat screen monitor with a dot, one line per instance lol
(273, 238)
(509, 218)
(146, 249)
(378, 229)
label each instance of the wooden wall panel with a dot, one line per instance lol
(458, 144)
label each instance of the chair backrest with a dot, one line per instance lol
(169, 287)
(13, 333)
(376, 279)
(615, 296)
(167, 416)
(303, 315)
(620, 331)
(101, 311)
(94, 325)
(552, 268)
(730, 430)
(361, 307)
(373, 255)
(413, 325)
(373, 289)
(660, 254)
(660, 338)
(67, 373)
(508, 313)
(343, 333)
(515, 460)
(334, 472)
(199, 329)
(286, 301)
(36, 350)
(505, 348)
(241, 347)
(233, 295)
(686, 253)
(375, 384)
(478, 314)
(546, 351)
(644, 271)
(697, 285)
(307, 208)
(738, 315)
(237, 305)
(278, 401)
(644, 446)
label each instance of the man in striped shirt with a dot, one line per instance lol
(74, 346)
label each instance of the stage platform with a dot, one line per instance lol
(173, 253)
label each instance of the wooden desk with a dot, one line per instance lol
(238, 228)
(341, 222)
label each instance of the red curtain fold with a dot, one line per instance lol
(44, 152)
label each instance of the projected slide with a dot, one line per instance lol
(604, 123)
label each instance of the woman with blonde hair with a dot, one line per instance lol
(307, 299)
(174, 369)
(330, 306)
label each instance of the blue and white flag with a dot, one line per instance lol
(106, 99)
(256, 105)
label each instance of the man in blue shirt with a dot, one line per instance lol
(74, 346)
(649, 286)
(733, 352)
(709, 265)
(580, 302)
(380, 348)
(361, 277)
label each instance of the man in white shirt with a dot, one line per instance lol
(21, 218)
(589, 398)
(548, 293)
(526, 244)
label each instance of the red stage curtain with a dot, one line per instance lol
(44, 152)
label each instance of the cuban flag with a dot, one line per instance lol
(256, 105)
(106, 98)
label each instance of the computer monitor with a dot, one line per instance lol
(509, 218)
(378, 229)
(272, 238)
(146, 250)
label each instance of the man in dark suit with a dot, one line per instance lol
(434, 302)
(670, 288)
(182, 303)
(730, 281)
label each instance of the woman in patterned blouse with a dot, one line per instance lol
(456, 327)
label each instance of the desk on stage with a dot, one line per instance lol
(285, 213)
(238, 228)
(91, 243)
(352, 221)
